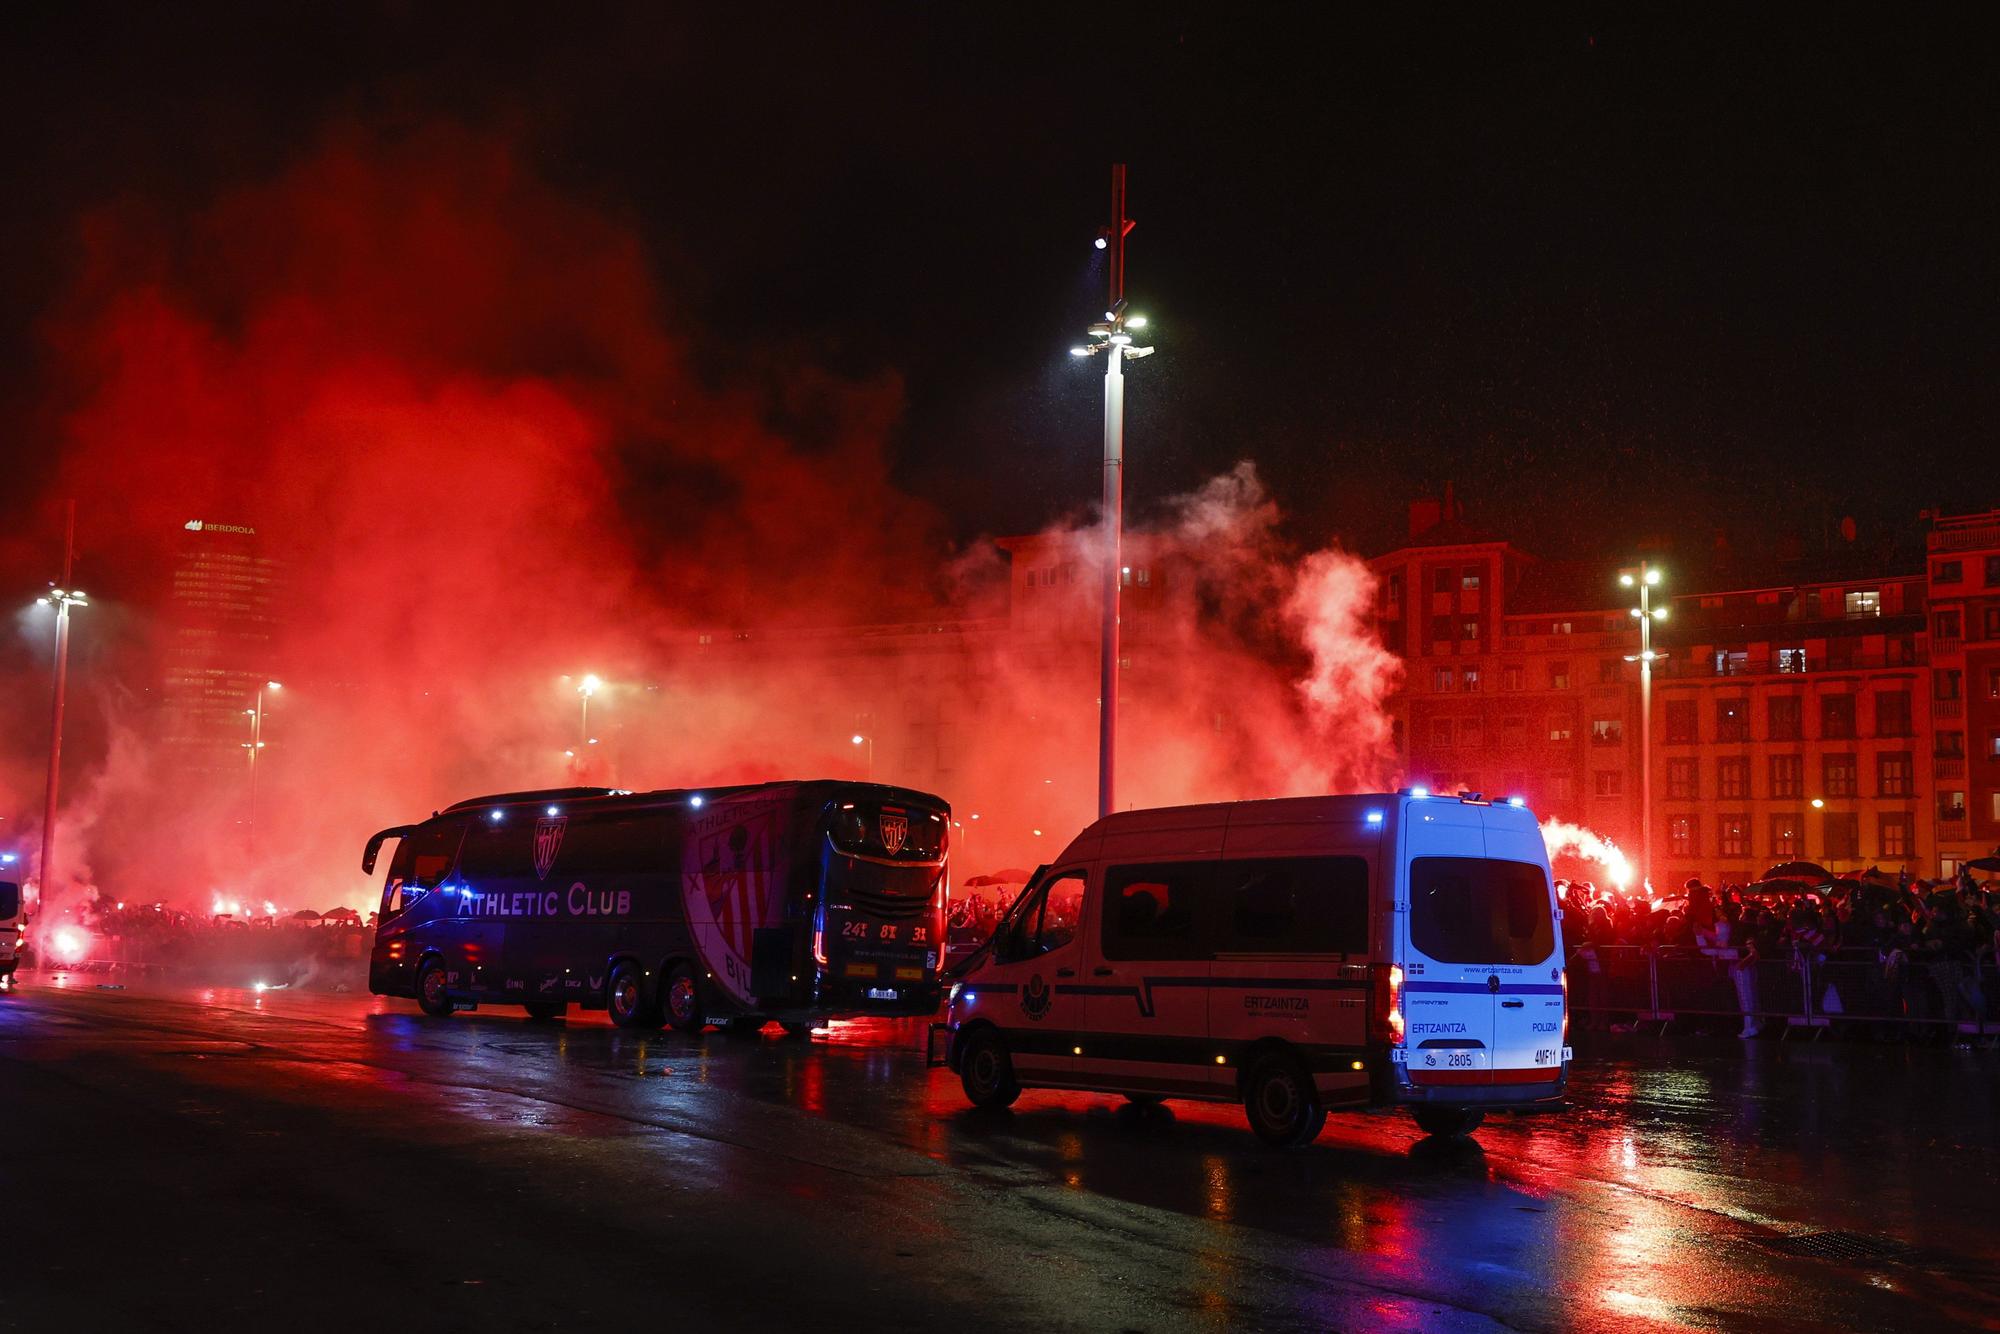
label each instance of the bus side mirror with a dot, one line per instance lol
(375, 842)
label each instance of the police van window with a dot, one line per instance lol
(10, 898)
(1156, 912)
(1062, 909)
(1472, 910)
(1295, 905)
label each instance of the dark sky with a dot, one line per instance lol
(1653, 270)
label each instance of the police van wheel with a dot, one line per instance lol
(432, 998)
(1445, 1122)
(683, 1000)
(987, 1072)
(543, 1011)
(1282, 1104)
(626, 998)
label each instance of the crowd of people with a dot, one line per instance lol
(1918, 958)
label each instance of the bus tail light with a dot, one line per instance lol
(1562, 976)
(819, 946)
(1388, 1009)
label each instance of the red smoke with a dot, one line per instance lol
(458, 404)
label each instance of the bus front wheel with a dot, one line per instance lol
(627, 1000)
(432, 998)
(1282, 1104)
(683, 1003)
(987, 1072)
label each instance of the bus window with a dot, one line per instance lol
(422, 861)
(1295, 905)
(1154, 912)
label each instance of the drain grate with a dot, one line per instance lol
(1842, 1248)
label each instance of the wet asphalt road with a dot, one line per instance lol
(215, 1159)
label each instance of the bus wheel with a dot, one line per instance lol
(544, 1011)
(1283, 1106)
(431, 996)
(626, 998)
(987, 1072)
(1445, 1122)
(683, 1005)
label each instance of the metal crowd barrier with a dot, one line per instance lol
(1806, 992)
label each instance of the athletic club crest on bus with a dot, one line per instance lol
(895, 830)
(548, 841)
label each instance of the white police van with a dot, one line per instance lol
(1292, 955)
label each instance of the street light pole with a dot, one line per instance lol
(588, 687)
(62, 599)
(255, 745)
(1645, 579)
(869, 742)
(1117, 346)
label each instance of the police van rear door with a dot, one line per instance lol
(1449, 990)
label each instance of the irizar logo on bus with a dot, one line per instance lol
(579, 901)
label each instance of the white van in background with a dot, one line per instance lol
(12, 927)
(1292, 955)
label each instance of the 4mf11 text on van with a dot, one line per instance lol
(1294, 955)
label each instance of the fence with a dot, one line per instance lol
(1809, 992)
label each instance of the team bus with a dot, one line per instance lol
(1400, 949)
(793, 901)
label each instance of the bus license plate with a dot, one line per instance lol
(882, 993)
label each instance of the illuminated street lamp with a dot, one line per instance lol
(62, 600)
(1111, 336)
(255, 745)
(1645, 579)
(585, 689)
(861, 739)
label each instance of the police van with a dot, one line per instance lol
(1293, 955)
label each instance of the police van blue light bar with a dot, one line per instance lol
(1517, 801)
(1420, 792)
(1374, 817)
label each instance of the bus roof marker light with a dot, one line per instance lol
(554, 810)
(1374, 817)
(695, 801)
(495, 817)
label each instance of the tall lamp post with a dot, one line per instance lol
(255, 745)
(1645, 579)
(586, 688)
(869, 742)
(62, 600)
(1112, 337)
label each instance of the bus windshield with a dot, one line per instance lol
(1475, 910)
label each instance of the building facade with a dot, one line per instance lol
(1852, 720)
(221, 646)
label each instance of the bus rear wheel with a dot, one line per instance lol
(683, 1000)
(543, 1011)
(432, 998)
(987, 1072)
(1282, 1104)
(1444, 1122)
(627, 1000)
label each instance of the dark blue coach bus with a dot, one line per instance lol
(794, 901)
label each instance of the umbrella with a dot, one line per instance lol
(1777, 886)
(1809, 871)
(1011, 876)
(340, 915)
(1983, 864)
(305, 915)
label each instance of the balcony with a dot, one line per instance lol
(1949, 828)
(1948, 708)
(1679, 667)
(1948, 766)
(1941, 647)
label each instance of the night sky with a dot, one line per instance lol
(1642, 272)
